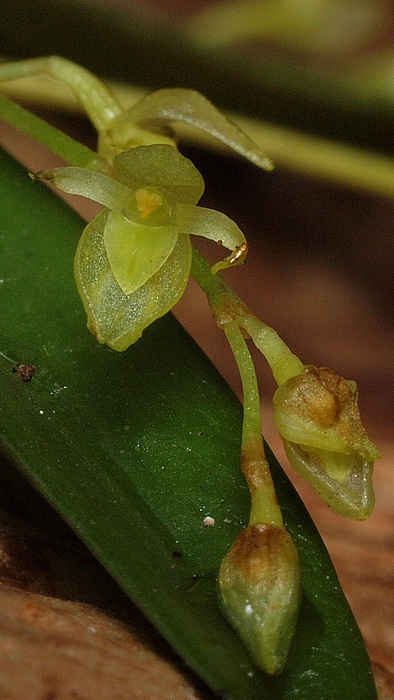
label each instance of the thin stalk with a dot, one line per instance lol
(98, 101)
(227, 306)
(56, 141)
(264, 505)
(284, 364)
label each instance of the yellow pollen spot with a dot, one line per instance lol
(148, 202)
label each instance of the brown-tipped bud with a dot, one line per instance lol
(318, 418)
(259, 582)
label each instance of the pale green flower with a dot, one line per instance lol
(134, 259)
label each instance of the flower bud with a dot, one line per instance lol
(259, 581)
(317, 415)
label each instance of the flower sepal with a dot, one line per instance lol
(117, 318)
(344, 482)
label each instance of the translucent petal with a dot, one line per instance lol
(115, 318)
(93, 185)
(215, 226)
(136, 251)
(160, 166)
(165, 106)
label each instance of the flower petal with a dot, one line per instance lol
(345, 485)
(211, 224)
(163, 107)
(136, 251)
(90, 184)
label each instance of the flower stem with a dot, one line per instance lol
(264, 506)
(284, 364)
(100, 104)
(227, 306)
(71, 151)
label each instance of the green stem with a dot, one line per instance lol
(264, 506)
(214, 286)
(226, 306)
(98, 101)
(284, 364)
(56, 141)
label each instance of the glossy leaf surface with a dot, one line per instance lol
(135, 449)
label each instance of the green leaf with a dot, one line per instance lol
(135, 449)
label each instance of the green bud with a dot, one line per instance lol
(317, 415)
(259, 581)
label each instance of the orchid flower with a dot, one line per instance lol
(133, 260)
